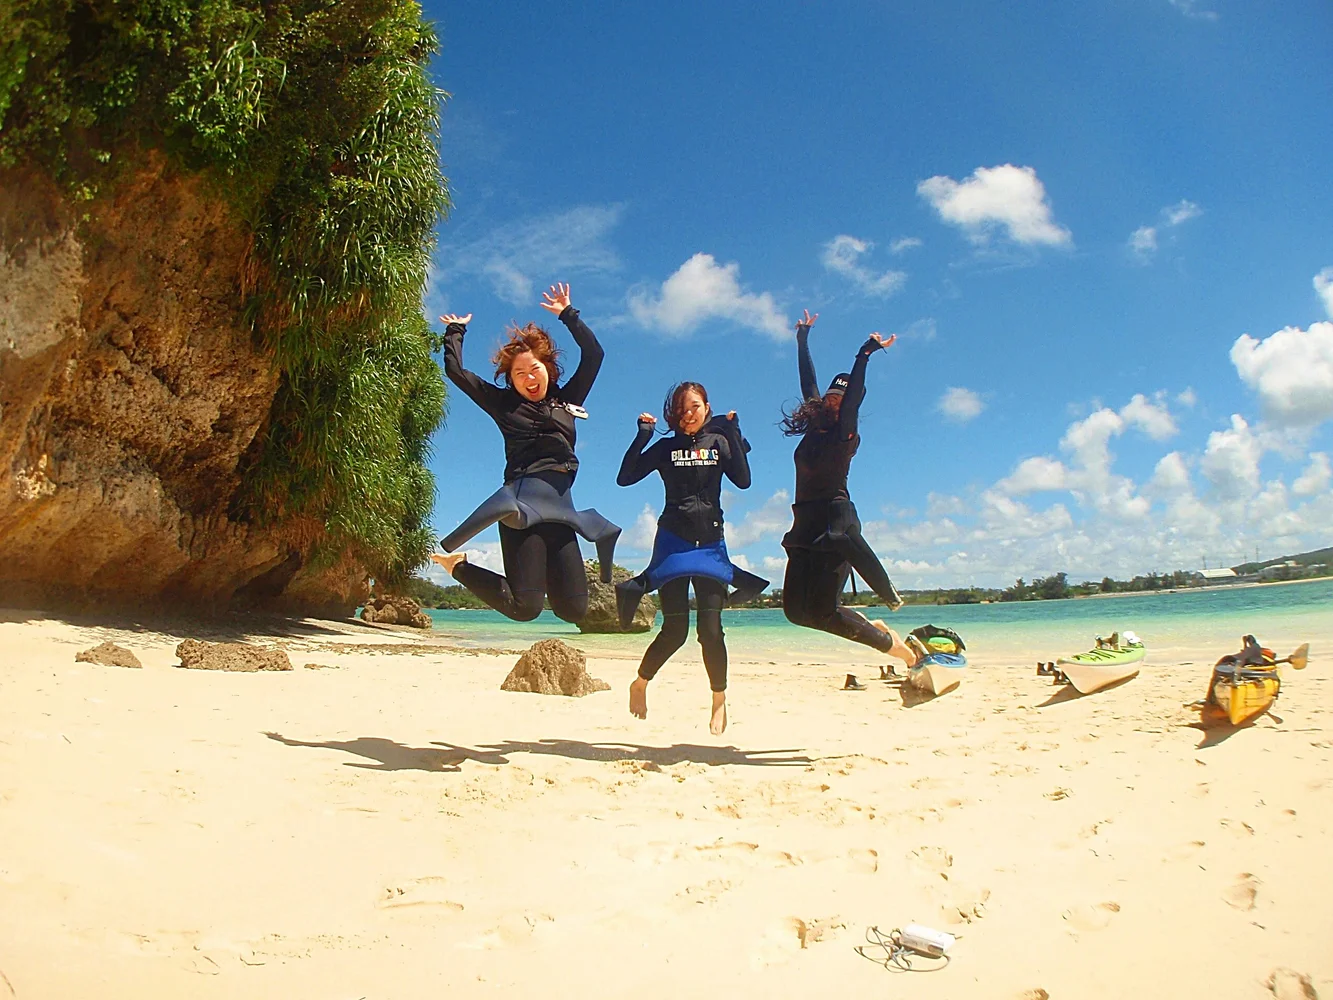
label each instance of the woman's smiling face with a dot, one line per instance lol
(529, 376)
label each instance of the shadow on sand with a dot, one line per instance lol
(230, 627)
(391, 756)
(1219, 732)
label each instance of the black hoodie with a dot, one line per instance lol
(692, 466)
(539, 437)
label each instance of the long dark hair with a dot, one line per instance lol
(521, 340)
(814, 414)
(675, 397)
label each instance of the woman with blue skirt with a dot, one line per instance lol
(689, 548)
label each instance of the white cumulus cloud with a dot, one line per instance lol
(701, 290)
(1292, 371)
(519, 256)
(1034, 475)
(1323, 286)
(842, 255)
(770, 520)
(905, 243)
(960, 405)
(1315, 478)
(1153, 418)
(1192, 10)
(1231, 460)
(1006, 197)
(1144, 240)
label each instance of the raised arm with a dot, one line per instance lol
(809, 384)
(736, 467)
(481, 392)
(576, 389)
(856, 384)
(638, 463)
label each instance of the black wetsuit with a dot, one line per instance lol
(542, 560)
(691, 466)
(825, 542)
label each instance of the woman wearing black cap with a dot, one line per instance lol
(825, 543)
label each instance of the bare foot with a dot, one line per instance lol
(638, 698)
(717, 725)
(900, 649)
(450, 561)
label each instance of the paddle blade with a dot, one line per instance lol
(1301, 657)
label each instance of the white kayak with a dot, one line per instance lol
(938, 673)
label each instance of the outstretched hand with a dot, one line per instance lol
(557, 299)
(806, 320)
(883, 344)
(449, 318)
(731, 414)
(647, 418)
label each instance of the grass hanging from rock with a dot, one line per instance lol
(317, 123)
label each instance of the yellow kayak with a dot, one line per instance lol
(1245, 684)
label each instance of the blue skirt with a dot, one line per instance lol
(673, 557)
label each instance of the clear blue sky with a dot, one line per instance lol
(1071, 214)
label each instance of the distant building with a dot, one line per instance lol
(1280, 571)
(1215, 576)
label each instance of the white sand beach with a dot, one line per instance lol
(395, 826)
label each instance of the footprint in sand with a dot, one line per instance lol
(1288, 984)
(1088, 832)
(1240, 829)
(787, 936)
(429, 891)
(931, 859)
(710, 892)
(1184, 852)
(1242, 894)
(1037, 994)
(1094, 917)
(863, 860)
(965, 906)
(513, 929)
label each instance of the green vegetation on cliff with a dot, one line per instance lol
(317, 122)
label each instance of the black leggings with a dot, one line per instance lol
(710, 595)
(540, 561)
(811, 591)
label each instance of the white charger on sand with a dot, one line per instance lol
(925, 940)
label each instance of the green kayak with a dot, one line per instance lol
(1111, 651)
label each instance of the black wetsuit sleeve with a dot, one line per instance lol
(638, 463)
(737, 466)
(809, 384)
(590, 358)
(481, 392)
(856, 385)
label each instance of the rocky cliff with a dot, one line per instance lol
(130, 391)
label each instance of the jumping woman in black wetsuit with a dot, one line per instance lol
(689, 547)
(825, 542)
(534, 509)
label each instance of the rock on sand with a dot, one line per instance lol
(237, 656)
(108, 654)
(553, 667)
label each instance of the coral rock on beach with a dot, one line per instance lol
(108, 654)
(553, 667)
(602, 615)
(395, 611)
(235, 656)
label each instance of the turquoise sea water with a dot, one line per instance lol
(1281, 615)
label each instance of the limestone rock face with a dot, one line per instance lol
(395, 611)
(131, 390)
(234, 656)
(553, 667)
(602, 615)
(108, 654)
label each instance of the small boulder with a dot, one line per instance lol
(602, 615)
(235, 656)
(553, 667)
(108, 654)
(391, 610)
